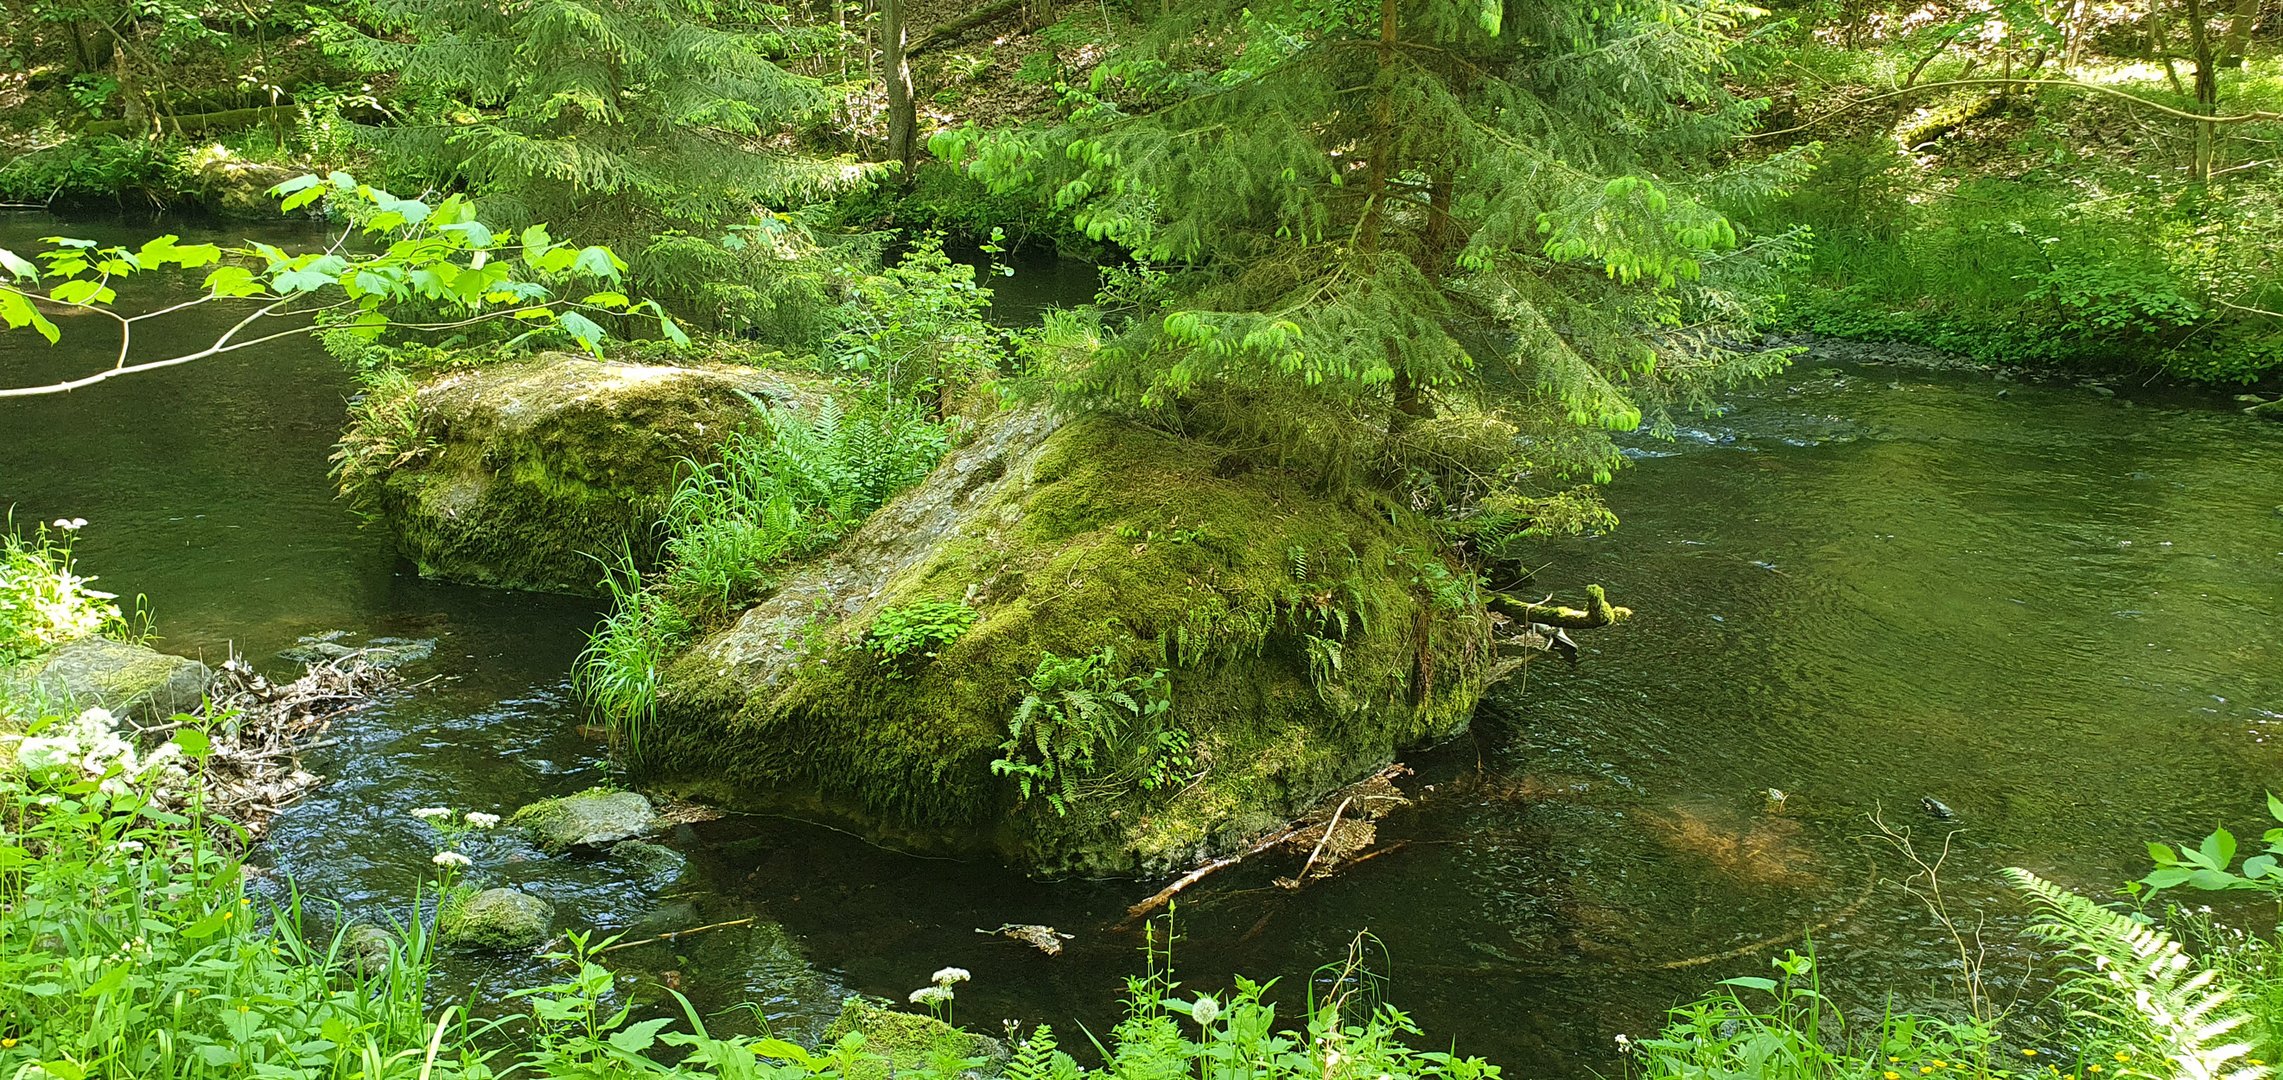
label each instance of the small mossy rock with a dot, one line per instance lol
(589, 819)
(1308, 638)
(648, 859)
(133, 681)
(367, 949)
(909, 1042)
(497, 919)
(533, 469)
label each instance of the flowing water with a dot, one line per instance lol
(2058, 612)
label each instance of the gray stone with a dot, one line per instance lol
(133, 681)
(366, 950)
(589, 819)
(648, 859)
(497, 919)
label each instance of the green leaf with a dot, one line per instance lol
(2259, 866)
(2167, 877)
(22, 270)
(84, 291)
(209, 926)
(588, 334)
(1751, 982)
(194, 743)
(233, 281)
(639, 1037)
(299, 183)
(599, 262)
(475, 232)
(2218, 849)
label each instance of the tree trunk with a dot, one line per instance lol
(2207, 92)
(896, 72)
(2237, 43)
(1410, 401)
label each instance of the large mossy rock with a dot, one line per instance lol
(133, 681)
(530, 470)
(1308, 637)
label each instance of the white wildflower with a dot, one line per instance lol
(482, 820)
(432, 813)
(949, 975)
(451, 859)
(1205, 1010)
(931, 996)
(71, 524)
(130, 845)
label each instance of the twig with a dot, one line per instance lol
(671, 935)
(1143, 910)
(1302, 876)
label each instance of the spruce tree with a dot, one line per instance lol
(1516, 214)
(620, 119)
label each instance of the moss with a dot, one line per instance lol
(909, 1042)
(495, 919)
(1106, 535)
(528, 472)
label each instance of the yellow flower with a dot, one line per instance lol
(1924, 1069)
(7, 1044)
(1941, 1064)
(2122, 1056)
(1892, 1059)
(2027, 1052)
(2094, 1067)
(1893, 1075)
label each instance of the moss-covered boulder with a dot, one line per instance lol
(133, 681)
(1305, 638)
(496, 919)
(522, 471)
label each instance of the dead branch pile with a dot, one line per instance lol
(257, 730)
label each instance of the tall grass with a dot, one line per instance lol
(789, 489)
(130, 948)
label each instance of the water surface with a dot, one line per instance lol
(2060, 613)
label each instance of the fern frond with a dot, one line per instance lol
(2136, 981)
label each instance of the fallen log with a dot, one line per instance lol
(1598, 611)
(965, 24)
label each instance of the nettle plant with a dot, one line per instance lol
(398, 266)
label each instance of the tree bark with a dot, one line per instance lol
(2207, 92)
(896, 72)
(2237, 43)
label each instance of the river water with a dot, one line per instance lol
(2058, 612)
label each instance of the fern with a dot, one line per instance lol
(2138, 983)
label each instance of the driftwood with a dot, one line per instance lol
(259, 729)
(1597, 613)
(1374, 795)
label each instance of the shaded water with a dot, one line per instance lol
(2060, 613)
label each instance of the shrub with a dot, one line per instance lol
(43, 600)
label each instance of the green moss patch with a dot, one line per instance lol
(526, 472)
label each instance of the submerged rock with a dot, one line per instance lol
(648, 859)
(382, 652)
(589, 819)
(525, 473)
(497, 919)
(133, 681)
(1305, 639)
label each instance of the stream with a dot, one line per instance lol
(2059, 612)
